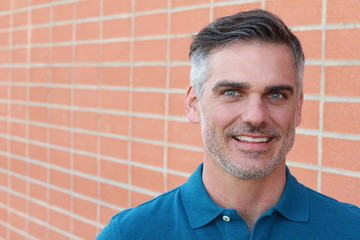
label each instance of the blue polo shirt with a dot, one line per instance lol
(188, 212)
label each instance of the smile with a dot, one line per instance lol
(252, 139)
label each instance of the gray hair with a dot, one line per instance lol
(250, 26)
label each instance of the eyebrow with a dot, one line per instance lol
(235, 85)
(280, 88)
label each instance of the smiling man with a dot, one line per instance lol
(246, 92)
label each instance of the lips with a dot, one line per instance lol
(252, 139)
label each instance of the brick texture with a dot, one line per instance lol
(91, 106)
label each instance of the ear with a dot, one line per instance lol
(192, 105)
(299, 108)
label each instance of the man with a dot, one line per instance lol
(246, 92)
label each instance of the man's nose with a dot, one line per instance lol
(255, 111)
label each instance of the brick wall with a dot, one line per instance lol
(91, 105)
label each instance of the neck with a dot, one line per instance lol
(250, 197)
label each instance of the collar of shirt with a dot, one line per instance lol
(201, 210)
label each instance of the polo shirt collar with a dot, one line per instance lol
(200, 208)
(294, 201)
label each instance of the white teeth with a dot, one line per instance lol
(250, 139)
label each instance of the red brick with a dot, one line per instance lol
(180, 77)
(106, 214)
(85, 208)
(342, 154)
(310, 115)
(18, 55)
(5, 5)
(17, 203)
(85, 164)
(342, 81)
(117, 28)
(343, 188)
(4, 39)
(88, 30)
(59, 220)
(86, 120)
(174, 181)
(39, 94)
(5, 55)
(113, 147)
(176, 104)
(40, 16)
(184, 160)
(149, 102)
(18, 130)
(16, 235)
(17, 221)
(57, 235)
(179, 50)
(62, 33)
(116, 52)
(18, 93)
(297, 12)
(349, 49)
(38, 133)
(60, 96)
(150, 76)
(116, 76)
(184, 133)
(38, 153)
(154, 24)
(63, 12)
(84, 230)
(19, 4)
(86, 186)
(312, 77)
(40, 55)
(88, 53)
(115, 124)
(60, 179)
(114, 171)
(222, 11)
(60, 117)
(37, 230)
(38, 211)
(18, 111)
(342, 117)
(339, 11)
(59, 199)
(305, 176)
(38, 172)
(20, 19)
(40, 35)
(18, 148)
(40, 75)
(61, 74)
(150, 50)
(113, 7)
(311, 43)
(150, 5)
(199, 18)
(87, 9)
(61, 54)
(305, 150)
(38, 114)
(114, 195)
(147, 154)
(60, 158)
(180, 3)
(85, 142)
(60, 137)
(87, 98)
(18, 185)
(38, 192)
(152, 129)
(147, 179)
(19, 37)
(139, 198)
(114, 99)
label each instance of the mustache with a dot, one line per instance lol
(248, 128)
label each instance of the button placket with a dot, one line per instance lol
(226, 218)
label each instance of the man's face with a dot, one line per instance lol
(249, 108)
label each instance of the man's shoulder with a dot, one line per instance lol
(326, 205)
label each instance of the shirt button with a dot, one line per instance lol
(226, 219)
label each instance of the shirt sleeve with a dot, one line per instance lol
(110, 232)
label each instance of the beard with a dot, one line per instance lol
(251, 163)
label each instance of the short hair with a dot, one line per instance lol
(250, 26)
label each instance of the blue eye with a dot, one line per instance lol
(277, 96)
(230, 93)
